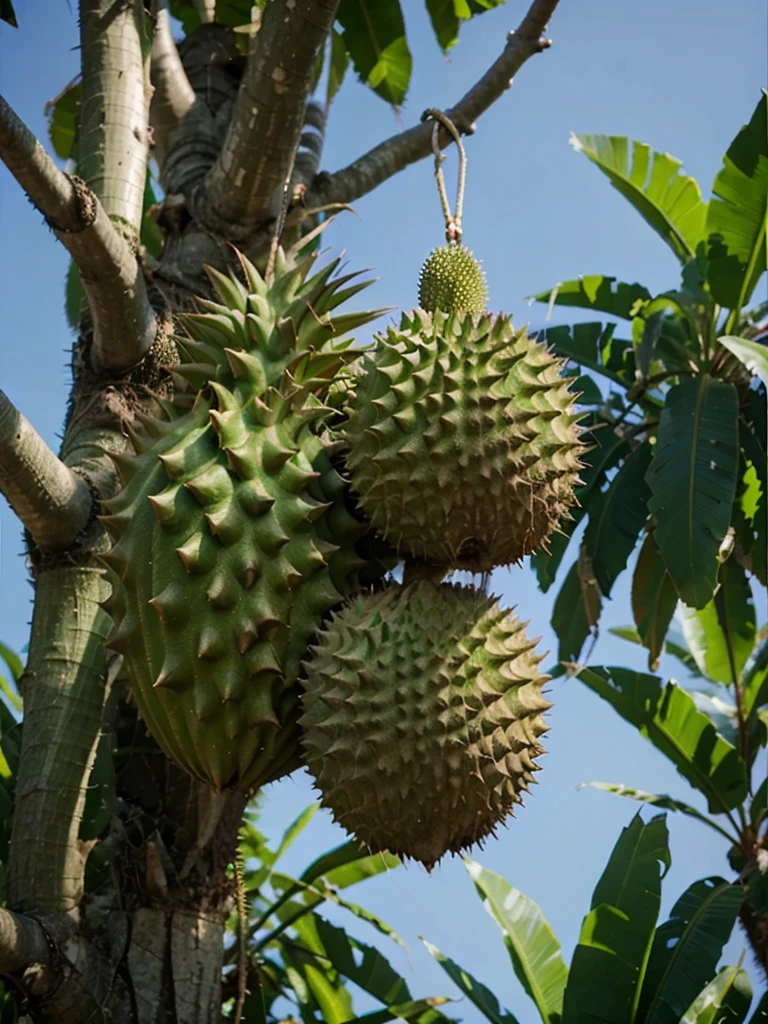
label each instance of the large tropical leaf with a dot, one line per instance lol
(616, 518)
(760, 1016)
(475, 991)
(62, 113)
(737, 216)
(608, 449)
(337, 69)
(617, 933)
(666, 803)
(671, 647)
(721, 635)
(576, 610)
(374, 37)
(752, 354)
(532, 945)
(366, 967)
(687, 948)
(7, 13)
(725, 1000)
(652, 182)
(692, 479)
(594, 347)
(597, 292)
(667, 716)
(447, 15)
(654, 599)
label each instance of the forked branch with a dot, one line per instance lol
(52, 501)
(414, 144)
(124, 324)
(244, 185)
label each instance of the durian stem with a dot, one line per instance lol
(124, 324)
(64, 688)
(453, 229)
(51, 500)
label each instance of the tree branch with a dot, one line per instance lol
(242, 187)
(397, 152)
(23, 944)
(173, 96)
(124, 324)
(51, 500)
(113, 123)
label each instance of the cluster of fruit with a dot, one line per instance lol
(261, 517)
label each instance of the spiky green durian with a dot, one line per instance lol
(232, 538)
(451, 280)
(463, 440)
(422, 717)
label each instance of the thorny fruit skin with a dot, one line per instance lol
(452, 281)
(232, 535)
(464, 444)
(422, 718)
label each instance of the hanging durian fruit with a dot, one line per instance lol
(422, 718)
(232, 538)
(463, 438)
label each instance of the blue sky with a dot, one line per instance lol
(681, 76)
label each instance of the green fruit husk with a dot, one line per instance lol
(422, 717)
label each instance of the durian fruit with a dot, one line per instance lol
(463, 440)
(451, 280)
(422, 717)
(232, 538)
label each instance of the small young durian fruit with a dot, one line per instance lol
(452, 281)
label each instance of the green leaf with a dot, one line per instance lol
(667, 716)
(575, 612)
(295, 829)
(721, 713)
(417, 1011)
(318, 893)
(617, 933)
(652, 182)
(667, 803)
(447, 15)
(475, 991)
(751, 353)
(7, 13)
(338, 65)
(693, 482)
(687, 948)
(654, 599)
(371, 971)
(676, 650)
(736, 218)
(14, 663)
(607, 452)
(62, 113)
(721, 635)
(348, 864)
(725, 1000)
(755, 681)
(374, 37)
(597, 292)
(531, 943)
(616, 518)
(593, 346)
(757, 891)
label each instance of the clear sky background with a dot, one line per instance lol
(682, 75)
